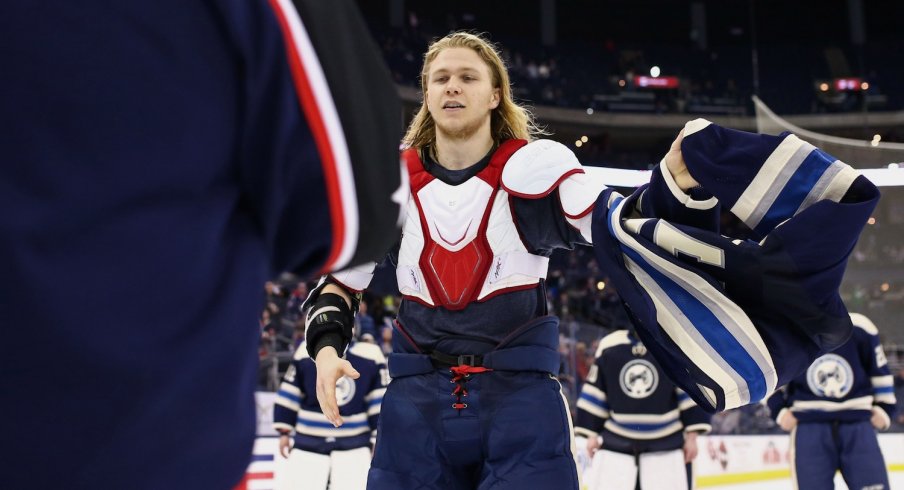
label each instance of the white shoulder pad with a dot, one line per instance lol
(865, 323)
(617, 337)
(578, 193)
(368, 351)
(301, 351)
(539, 167)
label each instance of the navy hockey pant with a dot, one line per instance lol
(514, 434)
(820, 448)
(511, 431)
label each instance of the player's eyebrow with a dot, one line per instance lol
(445, 71)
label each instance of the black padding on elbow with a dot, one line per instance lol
(329, 320)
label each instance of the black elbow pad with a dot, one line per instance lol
(329, 321)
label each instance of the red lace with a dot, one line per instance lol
(460, 377)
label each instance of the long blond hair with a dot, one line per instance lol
(507, 121)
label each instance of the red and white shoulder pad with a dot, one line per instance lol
(539, 167)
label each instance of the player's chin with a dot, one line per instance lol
(457, 129)
(449, 125)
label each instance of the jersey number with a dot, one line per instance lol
(674, 240)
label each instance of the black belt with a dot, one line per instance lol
(441, 359)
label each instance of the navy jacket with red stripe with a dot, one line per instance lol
(161, 160)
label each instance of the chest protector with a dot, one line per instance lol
(460, 243)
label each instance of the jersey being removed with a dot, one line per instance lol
(732, 319)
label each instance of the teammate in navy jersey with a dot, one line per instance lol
(323, 453)
(833, 411)
(161, 161)
(640, 428)
(474, 402)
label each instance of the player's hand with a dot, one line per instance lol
(331, 367)
(787, 421)
(674, 161)
(690, 446)
(879, 419)
(285, 445)
(593, 445)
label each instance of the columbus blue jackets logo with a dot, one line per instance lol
(639, 378)
(830, 376)
(345, 390)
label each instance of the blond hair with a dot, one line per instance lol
(507, 121)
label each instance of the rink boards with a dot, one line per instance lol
(727, 461)
(723, 462)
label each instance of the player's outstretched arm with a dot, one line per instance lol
(328, 331)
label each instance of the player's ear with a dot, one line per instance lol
(494, 99)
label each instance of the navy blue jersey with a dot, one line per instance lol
(297, 410)
(630, 401)
(732, 319)
(844, 384)
(161, 160)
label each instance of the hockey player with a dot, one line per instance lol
(161, 161)
(474, 402)
(639, 427)
(476, 353)
(833, 411)
(323, 453)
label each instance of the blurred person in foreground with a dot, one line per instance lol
(474, 402)
(833, 411)
(164, 160)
